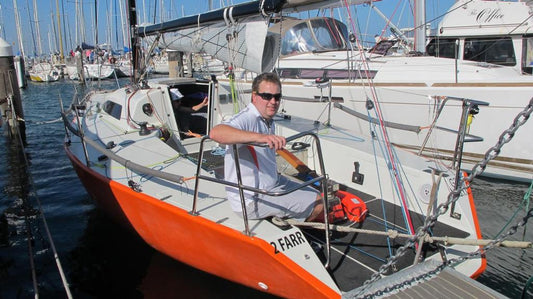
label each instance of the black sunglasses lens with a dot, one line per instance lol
(267, 96)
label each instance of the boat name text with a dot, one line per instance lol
(488, 15)
(287, 242)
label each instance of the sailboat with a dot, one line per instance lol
(126, 147)
(42, 70)
(480, 50)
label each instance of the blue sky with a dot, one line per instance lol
(150, 10)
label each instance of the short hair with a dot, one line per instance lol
(268, 77)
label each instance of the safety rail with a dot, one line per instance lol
(242, 187)
(111, 155)
(468, 106)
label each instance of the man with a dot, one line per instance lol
(258, 167)
(190, 125)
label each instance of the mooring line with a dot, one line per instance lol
(49, 235)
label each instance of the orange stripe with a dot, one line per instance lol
(254, 155)
(483, 265)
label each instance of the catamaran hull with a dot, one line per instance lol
(201, 243)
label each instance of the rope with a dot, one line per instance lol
(526, 287)
(49, 235)
(528, 196)
(453, 196)
(393, 234)
(525, 202)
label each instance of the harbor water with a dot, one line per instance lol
(101, 260)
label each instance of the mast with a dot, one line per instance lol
(134, 41)
(123, 26)
(95, 23)
(31, 30)
(61, 56)
(420, 26)
(2, 22)
(19, 31)
(37, 31)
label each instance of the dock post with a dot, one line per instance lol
(10, 101)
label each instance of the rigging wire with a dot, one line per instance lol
(45, 223)
(383, 129)
(385, 222)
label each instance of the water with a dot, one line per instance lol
(102, 260)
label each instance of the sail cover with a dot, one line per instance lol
(246, 44)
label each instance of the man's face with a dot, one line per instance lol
(267, 107)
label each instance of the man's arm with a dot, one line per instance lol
(229, 135)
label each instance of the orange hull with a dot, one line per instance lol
(202, 243)
(99, 189)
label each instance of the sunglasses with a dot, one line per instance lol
(268, 96)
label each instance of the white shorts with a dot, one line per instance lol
(298, 204)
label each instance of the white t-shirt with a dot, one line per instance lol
(257, 164)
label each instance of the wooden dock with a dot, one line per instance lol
(448, 283)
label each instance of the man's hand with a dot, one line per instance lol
(273, 141)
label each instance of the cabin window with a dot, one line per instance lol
(383, 47)
(329, 33)
(491, 50)
(298, 40)
(289, 73)
(339, 74)
(442, 47)
(527, 55)
(112, 109)
(323, 34)
(320, 73)
(311, 73)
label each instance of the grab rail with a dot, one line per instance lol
(242, 187)
(111, 155)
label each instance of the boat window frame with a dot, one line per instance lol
(114, 109)
(493, 50)
(188, 89)
(443, 47)
(336, 74)
(302, 37)
(339, 33)
(527, 54)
